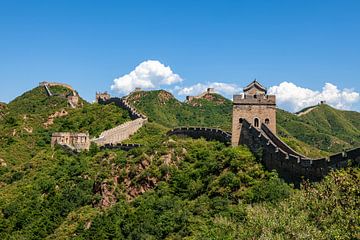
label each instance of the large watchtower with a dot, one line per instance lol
(256, 107)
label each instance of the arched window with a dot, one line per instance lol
(267, 121)
(240, 120)
(256, 122)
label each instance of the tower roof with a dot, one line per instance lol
(254, 84)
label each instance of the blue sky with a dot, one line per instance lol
(88, 44)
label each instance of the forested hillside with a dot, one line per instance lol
(162, 107)
(170, 187)
(323, 131)
(324, 127)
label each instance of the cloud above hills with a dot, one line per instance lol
(294, 98)
(225, 89)
(150, 74)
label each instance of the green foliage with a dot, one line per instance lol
(208, 182)
(161, 107)
(40, 196)
(316, 134)
(171, 187)
(324, 127)
(92, 118)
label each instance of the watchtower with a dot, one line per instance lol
(102, 96)
(255, 106)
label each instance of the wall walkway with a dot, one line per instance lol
(122, 132)
(276, 154)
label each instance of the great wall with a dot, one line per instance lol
(73, 98)
(258, 108)
(201, 132)
(254, 125)
(122, 132)
(110, 138)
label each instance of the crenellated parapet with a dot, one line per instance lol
(289, 164)
(73, 98)
(201, 132)
(254, 106)
(243, 99)
(76, 141)
(122, 146)
(123, 103)
(116, 135)
(208, 91)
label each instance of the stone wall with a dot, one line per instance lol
(73, 99)
(102, 96)
(291, 165)
(120, 133)
(122, 103)
(122, 146)
(123, 131)
(208, 91)
(199, 132)
(52, 84)
(247, 107)
(78, 141)
(276, 154)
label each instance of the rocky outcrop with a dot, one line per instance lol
(2, 163)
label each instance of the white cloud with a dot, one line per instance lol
(225, 89)
(147, 75)
(294, 98)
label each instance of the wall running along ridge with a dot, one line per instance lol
(73, 100)
(291, 165)
(274, 153)
(200, 132)
(124, 131)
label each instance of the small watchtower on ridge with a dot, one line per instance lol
(102, 96)
(255, 106)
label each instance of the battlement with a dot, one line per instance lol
(103, 96)
(254, 106)
(53, 84)
(257, 99)
(79, 141)
(291, 165)
(208, 91)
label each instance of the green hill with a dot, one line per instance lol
(324, 127)
(170, 188)
(161, 107)
(320, 132)
(23, 130)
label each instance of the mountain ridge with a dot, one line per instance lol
(168, 188)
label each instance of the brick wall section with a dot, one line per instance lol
(248, 107)
(123, 103)
(73, 99)
(122, 146)
(289, 164)
(276, 154)
(124, 131)
(120, 133)
(198, 132)
(278, 142)
(78, 141)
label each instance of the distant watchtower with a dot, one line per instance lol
(102, 96)
(256, 107)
